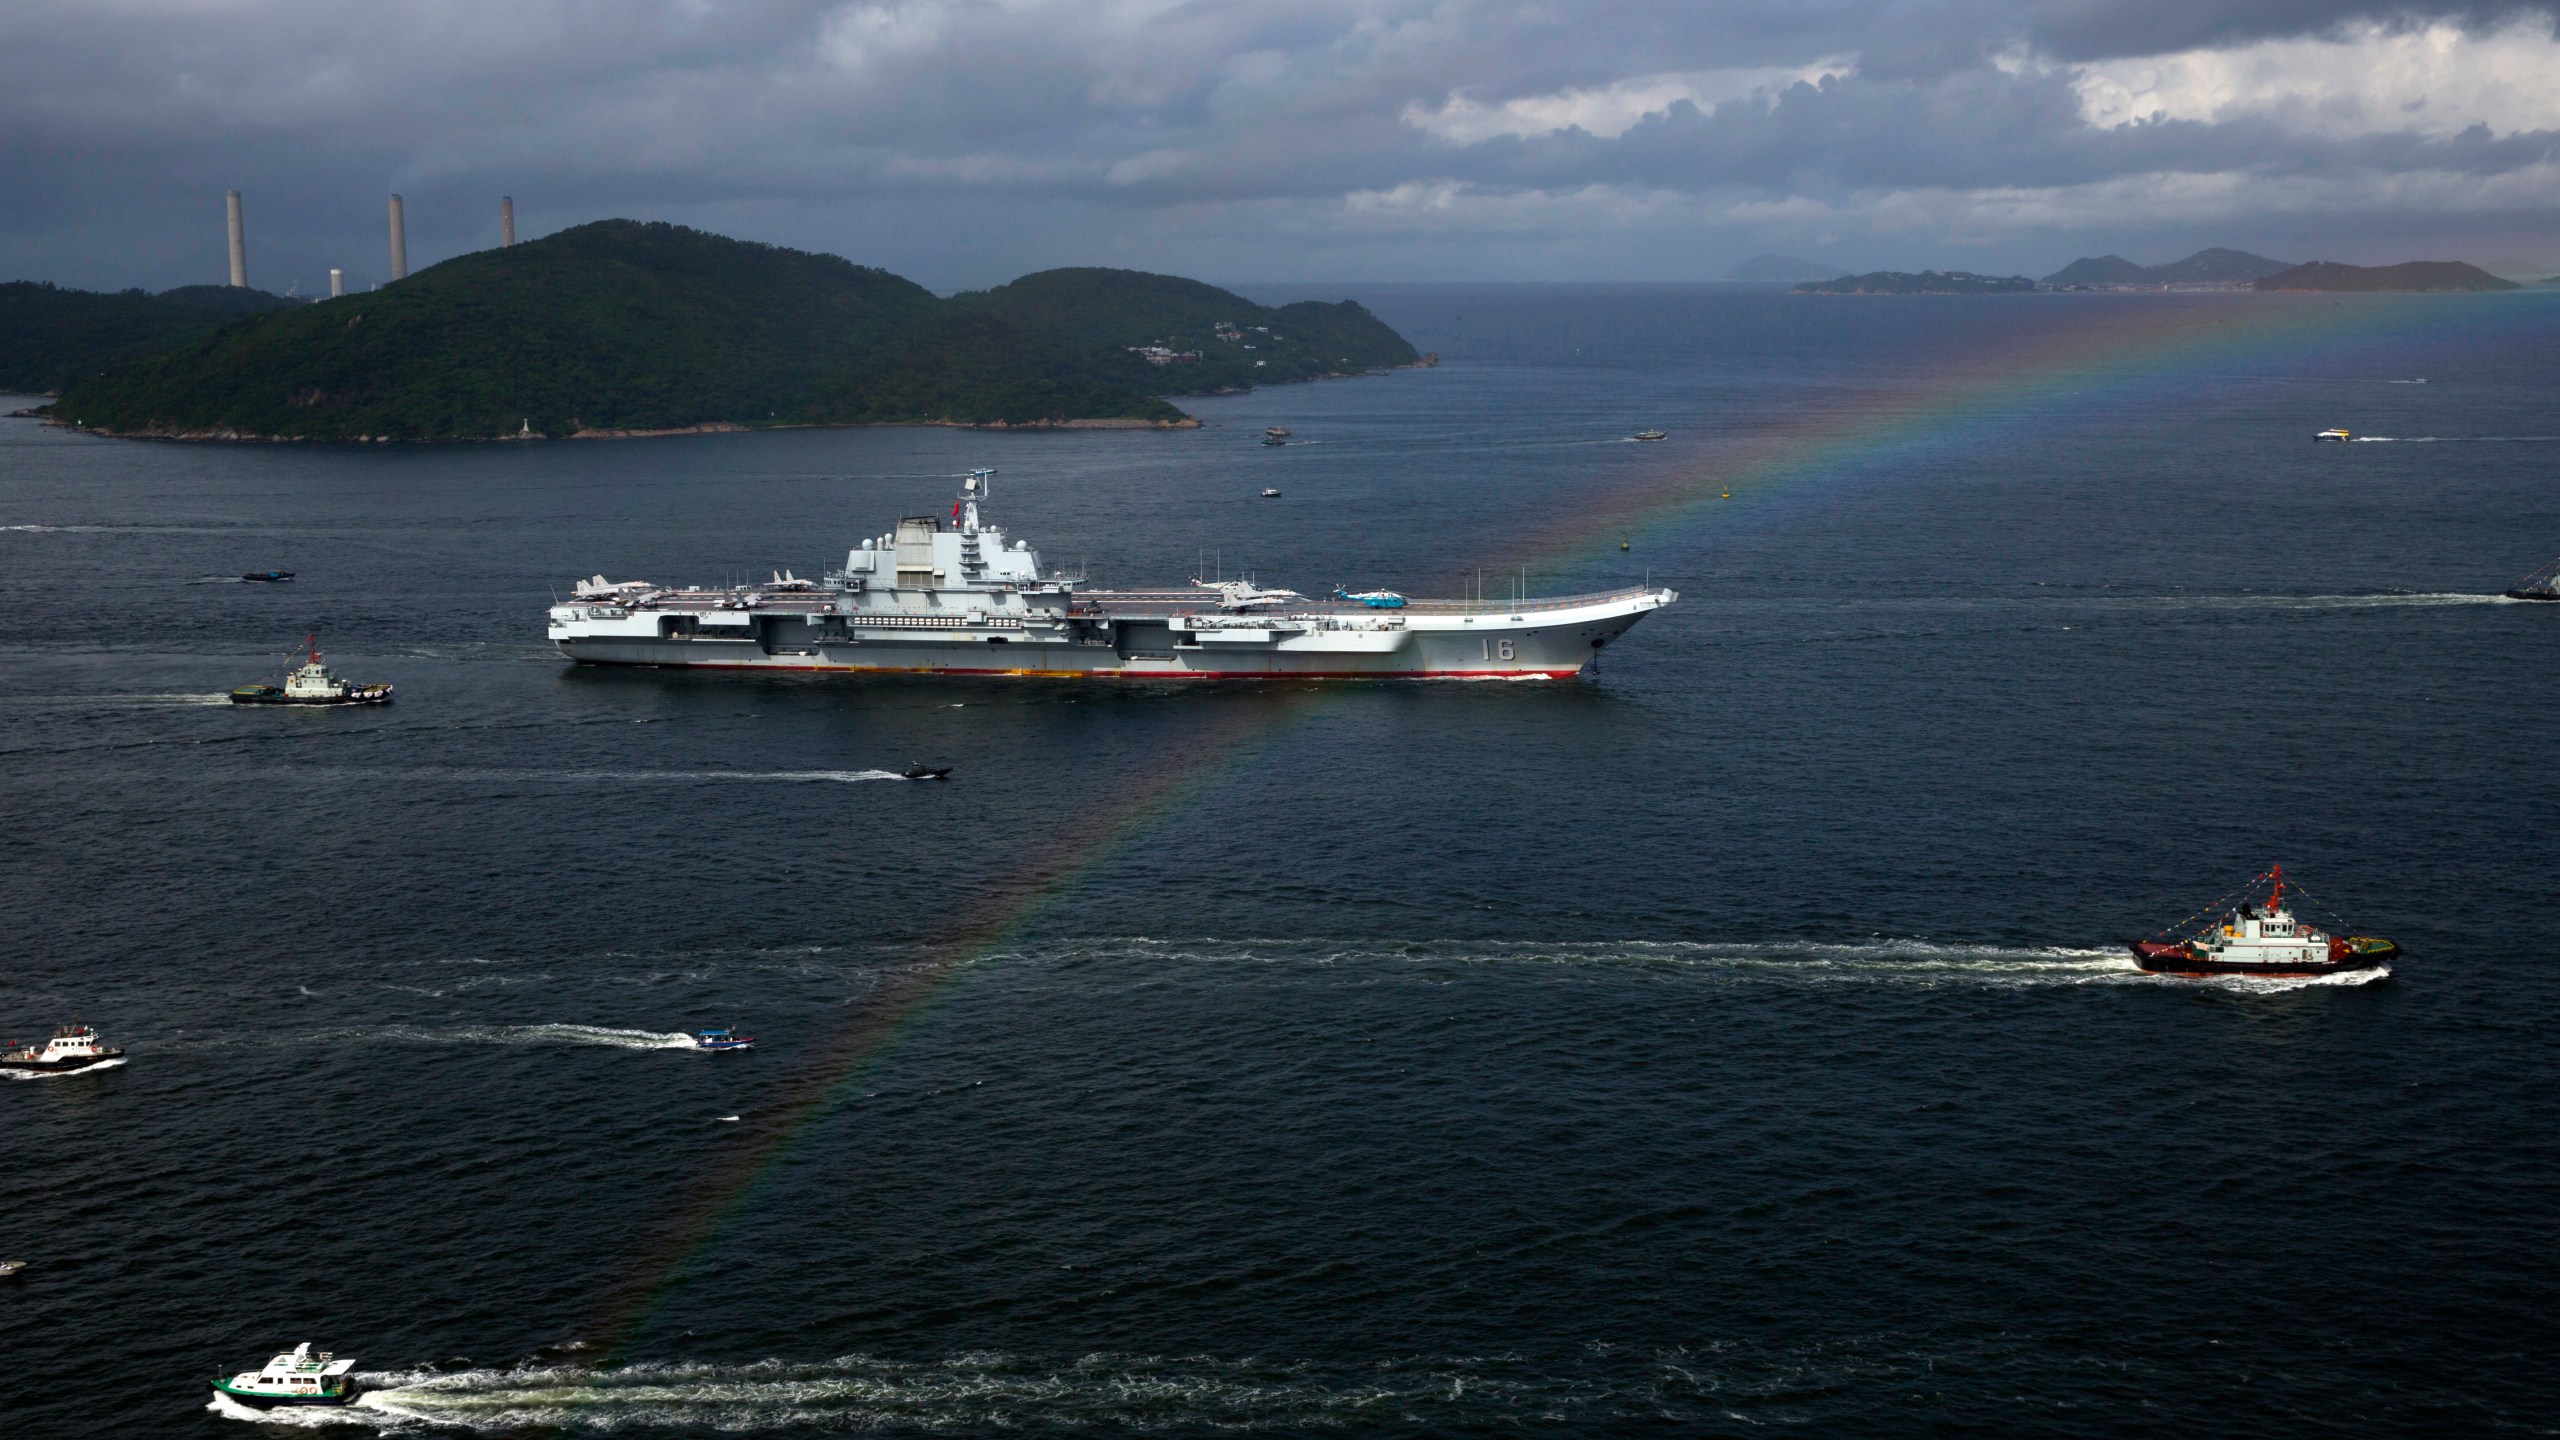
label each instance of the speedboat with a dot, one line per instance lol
(2542, 584)
(72, 1049)
(11, 1267)
(2263, 939)
(1270, 494)
(926, 772)
(2333, 435)
(268, 577)
(1277, 432)
(1273, 440)
(1650, 435)
(722, 1040)
(312, 683)
(295, 1378)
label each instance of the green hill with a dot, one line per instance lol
(2414, 275)
(2100, 270)
(50, 337)
(624, 326)
(2216, 266)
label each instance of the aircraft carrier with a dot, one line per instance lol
(956, 597)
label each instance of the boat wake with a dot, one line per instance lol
(1108, 1393)
(2453, 439)
(835, 777)
(1913, 962)
(540, 1035)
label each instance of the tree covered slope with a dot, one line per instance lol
(620, 326)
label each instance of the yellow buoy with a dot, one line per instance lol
(1622, 544)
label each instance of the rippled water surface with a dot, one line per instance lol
(1735, 1040)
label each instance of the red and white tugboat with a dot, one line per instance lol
(312, 683)
(72, 1049)
(2263, 939)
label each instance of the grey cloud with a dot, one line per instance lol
(965, 141)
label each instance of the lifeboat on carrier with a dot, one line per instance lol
(2263, 938)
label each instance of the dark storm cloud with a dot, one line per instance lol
(965, 139)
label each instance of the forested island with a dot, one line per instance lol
(2415, 276)
(1922, 282)
(622, 327)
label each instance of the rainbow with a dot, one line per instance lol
(2081, 357)
(2072, 362)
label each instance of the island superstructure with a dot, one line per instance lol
(957, 597)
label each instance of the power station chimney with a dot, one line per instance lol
(337, 282)
(239, 245)
(399, 242)
(506, 219)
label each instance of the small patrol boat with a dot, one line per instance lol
(2333, 435)
(722, 1040)
(72, 1049)
(295, 1378)
(312, 683)
(2542, 584)
(268, 577)
(2262, 939)
(1650, 435)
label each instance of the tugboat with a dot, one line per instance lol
(722, 1040)
(2263, 940)
(312, 683)
(2333, 435)
(1650, 435)
(296, 1378)
(2542, 584)
(72, 1049)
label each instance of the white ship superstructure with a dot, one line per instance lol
(960, 598)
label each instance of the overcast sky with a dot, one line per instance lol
(964, 143)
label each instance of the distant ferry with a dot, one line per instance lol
(965, 599)
(2263, 939)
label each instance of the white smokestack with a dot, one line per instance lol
(337, 282)
(506, 219)
(239, 244)
(399, 242)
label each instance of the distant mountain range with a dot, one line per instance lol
(620, 327)
(1783, 269)
(1921, 282)
(2415, 275)
(2216, 266)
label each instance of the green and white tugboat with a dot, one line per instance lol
(312, 683)
(295, 1378)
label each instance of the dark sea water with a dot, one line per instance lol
(1735, 1041)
